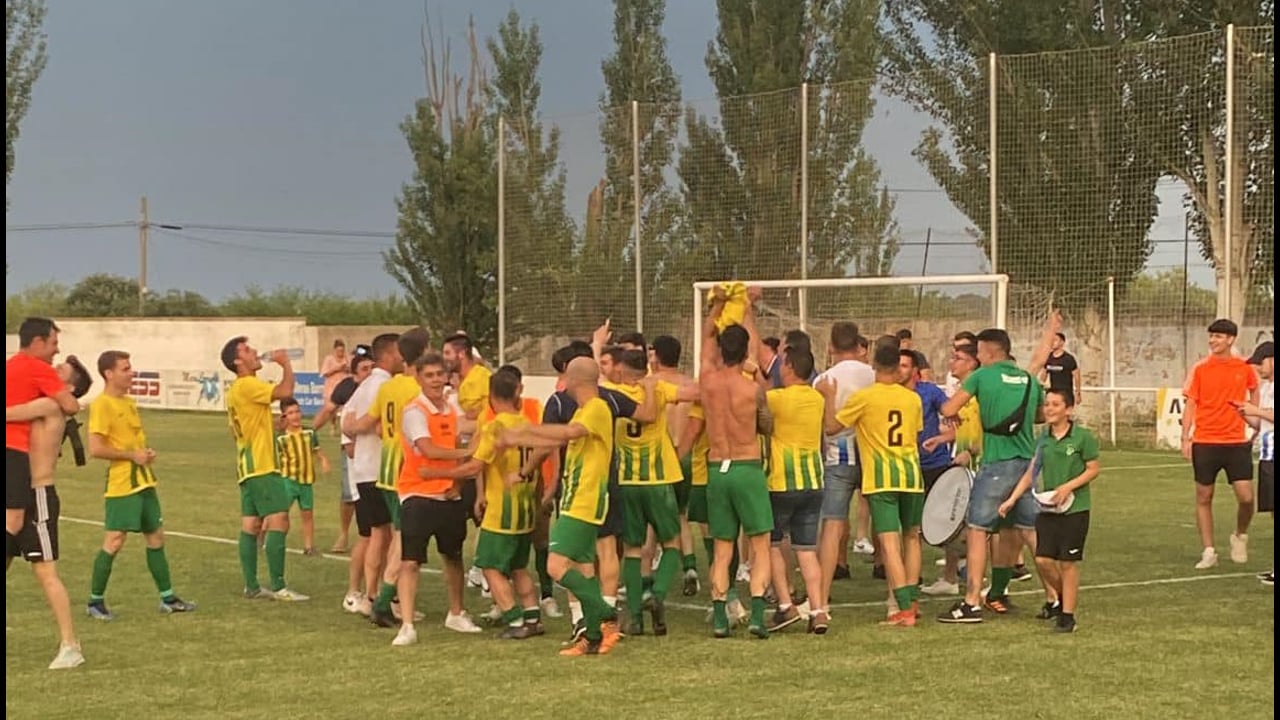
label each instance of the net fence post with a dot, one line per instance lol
(1229, 176)
(992, 197)
(635, 202)
(697, 330)
(804, 204)
(502, 242)
(1111, 354)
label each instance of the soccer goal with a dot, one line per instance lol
(933, 308)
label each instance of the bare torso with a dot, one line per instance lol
(730, 402)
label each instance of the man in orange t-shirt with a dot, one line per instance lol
(1214, 438)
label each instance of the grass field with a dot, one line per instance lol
(1156, 639)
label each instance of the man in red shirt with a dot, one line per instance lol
(1214, 437)
(31, 501)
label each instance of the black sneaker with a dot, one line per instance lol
(383, 618)
(1264, 574)
(658, 613)
(175, 604)
(842, 573)
(961, 613)
(1269, 579)
(1020, 573)
(691, 583)
(578, 632)
(877, 572)
(1065, 624)
(516, 633)
(1049, 611)
(635, 627)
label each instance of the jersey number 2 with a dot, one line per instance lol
(895, 428)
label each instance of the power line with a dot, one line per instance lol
(290, 252)
(269, 230)
(48, 227)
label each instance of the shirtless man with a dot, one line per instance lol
(737, 492)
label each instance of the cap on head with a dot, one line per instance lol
(1262, 352)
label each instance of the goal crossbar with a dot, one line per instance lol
(999, 309)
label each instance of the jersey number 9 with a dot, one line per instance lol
(895, 428)
(389, 420)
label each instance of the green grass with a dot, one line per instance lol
(1164, 650)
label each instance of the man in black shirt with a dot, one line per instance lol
(1061, 369)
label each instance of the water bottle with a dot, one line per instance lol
(295, 354)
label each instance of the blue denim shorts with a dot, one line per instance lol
(839, 483)
(992, 485)
(796, 514)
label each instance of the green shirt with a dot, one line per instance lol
(999, 388)
(1063, 459)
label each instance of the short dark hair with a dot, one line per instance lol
(81, 380)
(912, 355)
(798, 340)
(733, 342)
(461, 342)
(359, 358)
(904, 334)
(428, 359)
(885, 356)
(1068, 396)
(632, 338)
(288, 402)
(1223, 326)
(667, 351)
(338, 343)
(561, 357)
(801, 362)
(613, 351)
(970, 349)
(35, 328)
(505, 384)
(863, 342)
(964, 336)
(512, 369)
(772, 343)
(382, 344)
(1061, 337)
(844, 336)
(997, 337)
(109, 359)
(582, 347)
(230, 350)
(412, 343)
(634, 360)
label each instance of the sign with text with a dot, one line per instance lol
(308, 390)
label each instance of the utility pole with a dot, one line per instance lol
(143, 226)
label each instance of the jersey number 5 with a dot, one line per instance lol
(895, 428)
(235, 424)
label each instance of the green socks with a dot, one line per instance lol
(545, 584)
(634, 584)
(249, 560)
(1000, 577)
(719, 615)
(902, 596)
(587, 591)
(386, 593)
(158, 564)
(757, 611)
(275, 558)
(513, 617)
(689, 562)
(533, 615)
(668, 566)
(101, 573)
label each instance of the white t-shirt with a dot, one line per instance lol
(347, 464)
(951, 385)
(850, 376)
(415, 427)
(367, 461)
(1266, 428)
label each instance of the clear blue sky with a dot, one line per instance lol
(246, 112)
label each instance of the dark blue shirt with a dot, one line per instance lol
(561, 407)
(932, 398)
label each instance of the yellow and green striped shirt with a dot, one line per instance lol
(585, 489)
(646, 455)
(510, 510)
(888, 420)
(393, 397)
(795, 447)
(296, 454)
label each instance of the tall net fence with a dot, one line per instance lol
(1123, 197)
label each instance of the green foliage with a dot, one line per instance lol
(320, 308)
(103, 295)
(24, 44)
(1166, 295)
(43, 300)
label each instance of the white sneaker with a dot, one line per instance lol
(738, 614)
(550, 608)
(863, 546)
(494, 614)
(461, 623)
(68, 656)
(941, 587)
(744, 573)
(407, 636)
(657, 557)
(365, 606)
(395, 611)
(351, 603)
(287, 595)
(475, 577)
(940, 562)
(1239, 548)
(804, 609)
(1208, 559)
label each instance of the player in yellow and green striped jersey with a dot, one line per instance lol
(888, 419)
(298, 450)
(795, 481)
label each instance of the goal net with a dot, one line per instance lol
(933, 308)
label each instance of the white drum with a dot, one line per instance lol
(946, 506)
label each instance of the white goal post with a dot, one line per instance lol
(999, 285)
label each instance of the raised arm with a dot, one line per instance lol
(710, 347)
(1041, 354)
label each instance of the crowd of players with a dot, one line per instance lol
(603, 486)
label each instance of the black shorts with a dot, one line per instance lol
(17, 479)
(1236, 460)
(371, 509)
(38, 539)
(423, 518)
(1266, 486)
(1061, 537)
(468, 492)
(613, 522)
(931, 476)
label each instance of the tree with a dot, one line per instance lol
(24, 44)
(179, 303)
(1076, 178)
(44, 300)
(640, 71)
(741, 177)
(539, 235)
(103, 295)
(446, 238)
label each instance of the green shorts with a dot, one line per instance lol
(738, 498)
(574, 539)
(302, 494)
(503, 552)
(698, 503)
(263, 495)
(392, 499)
(648, 505)
(139, 512)
(895, 511)
(684, 486)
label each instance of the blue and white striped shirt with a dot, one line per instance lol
(1266, 429)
